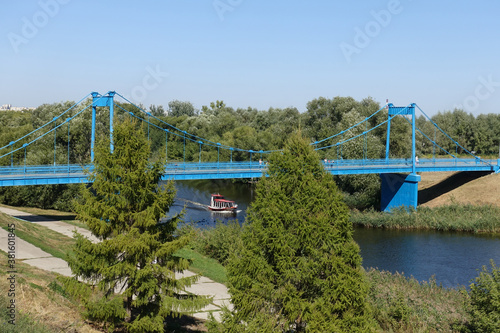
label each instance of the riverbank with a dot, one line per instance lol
(452, 217)
(448, 201)
(399, 303)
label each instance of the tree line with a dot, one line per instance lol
(251, 129)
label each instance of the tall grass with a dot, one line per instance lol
(402, 304)
(454, 217)
(219, 242)
(22, 322)
(39, 308)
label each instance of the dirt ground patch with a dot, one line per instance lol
(441, 188)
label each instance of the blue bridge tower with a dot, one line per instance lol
(400, 189)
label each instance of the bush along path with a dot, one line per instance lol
(34, 256)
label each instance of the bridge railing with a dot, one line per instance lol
(179, 167)
(44, 169)
(255, 166)
(170, 167)
(407, 161)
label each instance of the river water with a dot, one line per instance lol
(452, 258)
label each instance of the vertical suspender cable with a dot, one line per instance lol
(341, 142)
(388, 138)
(199, 159)
(365, 148)
(68, 143)
(166, 145)
(92, 134)
(434, 147)
(413, 140)
(111, 116)
(184, 132)
(25, 145)
(55, 129)
(11, 154)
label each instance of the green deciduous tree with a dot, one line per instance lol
(134, 264)
(299, 266)
(177, 108)
(157, 111)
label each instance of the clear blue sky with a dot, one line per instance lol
(439, 54)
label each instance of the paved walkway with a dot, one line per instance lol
(34, 256)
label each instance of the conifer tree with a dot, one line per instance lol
(299, 264)
(133, 265)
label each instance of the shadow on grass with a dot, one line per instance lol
(45, 218)
(447, 185)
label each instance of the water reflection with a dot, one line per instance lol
(453, 258)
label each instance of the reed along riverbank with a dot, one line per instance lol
(454, 217)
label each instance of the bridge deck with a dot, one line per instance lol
(71, 174)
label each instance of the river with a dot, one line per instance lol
(452, 258)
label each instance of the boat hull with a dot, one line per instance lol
(223, 209)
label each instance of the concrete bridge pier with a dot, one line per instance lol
(399, 190)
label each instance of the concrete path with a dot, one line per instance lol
(59, 226)
(34, 256)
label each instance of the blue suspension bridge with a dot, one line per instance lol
(399, 176)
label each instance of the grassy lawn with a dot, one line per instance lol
(203, 265)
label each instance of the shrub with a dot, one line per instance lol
(219, 242)
(485, 300)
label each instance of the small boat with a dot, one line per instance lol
(219, 204)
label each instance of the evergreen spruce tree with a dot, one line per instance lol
(299, 263)
(133, 265)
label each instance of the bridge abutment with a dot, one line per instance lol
(399, 190)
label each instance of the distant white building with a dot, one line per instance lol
(9, 107)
